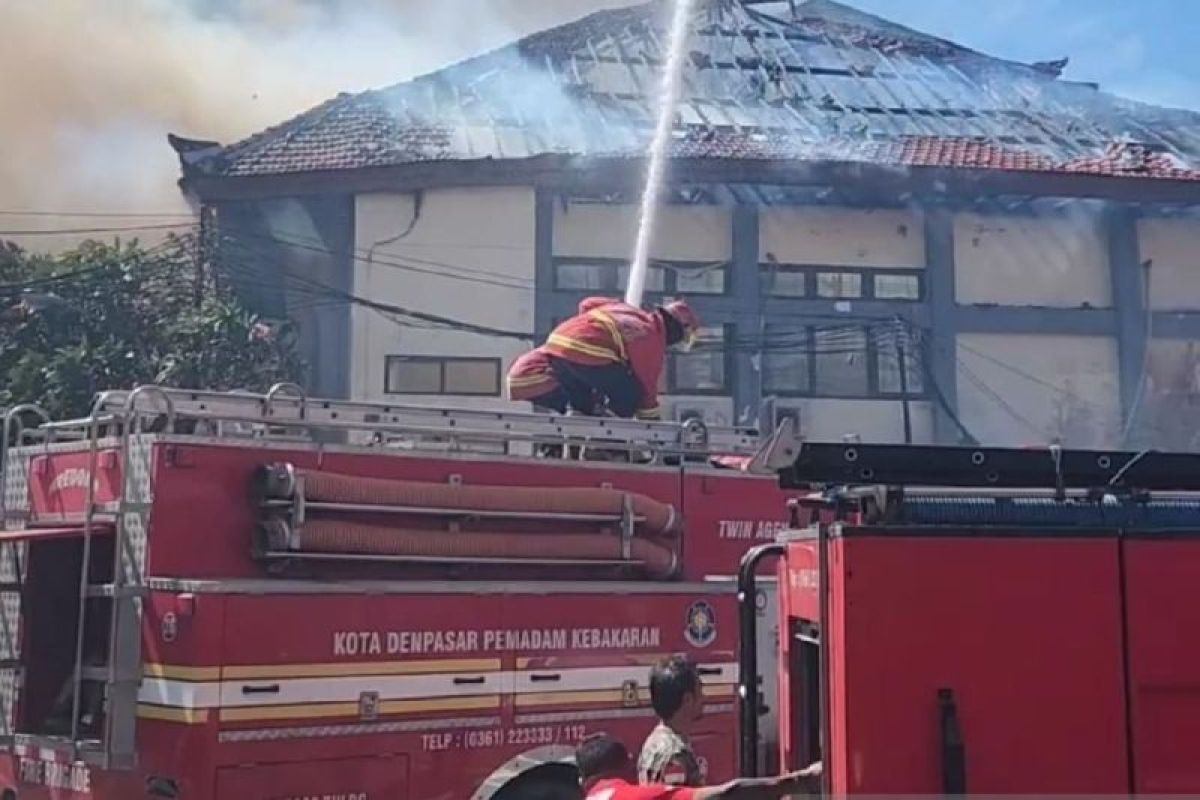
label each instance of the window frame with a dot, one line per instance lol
(611, 268)
(867, 276)
(672, 377)
(872, 354)
(441, 361)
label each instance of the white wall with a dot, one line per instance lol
(873, 421)
(1058, 386)
(1174, 247)
(1048, 261)
(484, 236)
(842, 237)
(683, 233)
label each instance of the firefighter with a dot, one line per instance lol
(531, 377)
(608, 357)
(606, 773)
(676, 694)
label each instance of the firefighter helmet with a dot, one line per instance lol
(686, 317)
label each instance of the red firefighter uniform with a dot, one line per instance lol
(531, 378)
(610, 332)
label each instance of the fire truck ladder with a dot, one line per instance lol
(286, 411)
(12, 572)
(113, 422)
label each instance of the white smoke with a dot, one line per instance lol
(92, 87)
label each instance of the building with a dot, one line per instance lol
(846, 195)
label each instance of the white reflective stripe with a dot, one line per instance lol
(728, 673)
(334, 690)
(287, 691)
(179, 694)
(581, 678)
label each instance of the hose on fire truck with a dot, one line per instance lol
(318, 514)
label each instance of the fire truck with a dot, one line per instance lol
(231, 596)
(992, 621)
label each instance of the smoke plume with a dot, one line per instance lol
(92, 87)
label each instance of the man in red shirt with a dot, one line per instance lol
(606, 772)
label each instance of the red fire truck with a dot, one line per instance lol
(993, 621)
(240, 597)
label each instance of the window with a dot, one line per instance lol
(839, 285)
(787, 282)
(656, 278)
(703, 370)
(476, 377)
(897, 286)
(786, 361)
(580, 276)
(841, 362)
(842, 283)
(701, 280)
(890, 343)
(610, 276)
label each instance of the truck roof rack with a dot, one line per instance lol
(286, 411)
(1052, 468)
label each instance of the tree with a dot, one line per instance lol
(109, 316)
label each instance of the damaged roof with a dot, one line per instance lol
(805, 81)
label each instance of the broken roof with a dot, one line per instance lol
(809, 81)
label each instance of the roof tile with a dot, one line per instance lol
(830, 84)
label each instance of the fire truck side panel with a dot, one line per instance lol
(601, 683)
(1024, 631)
(1162, 596)
(346, 779)
(177, 727)
(797, 580)
(203, 515)
(840, 726)
(58, 484)
(728, 513)
(351, 675)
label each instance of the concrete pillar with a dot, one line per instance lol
(1130, 305)
(543, 262)
(746, 292)
(943, 339)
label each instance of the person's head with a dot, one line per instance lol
(681, 324)
(601, 757)
(676, 692)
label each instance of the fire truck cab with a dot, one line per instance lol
(982, 620)
(229, 596)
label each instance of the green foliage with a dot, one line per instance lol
(109, 316)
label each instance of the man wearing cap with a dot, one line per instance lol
(608, 356)
(606, 772)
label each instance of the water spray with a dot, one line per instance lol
(672, 78)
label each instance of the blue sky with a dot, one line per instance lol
(1143, 49)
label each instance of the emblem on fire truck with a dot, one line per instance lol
(701, 627)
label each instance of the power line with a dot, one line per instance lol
(999, 400)
(406, 263)
(349, 297)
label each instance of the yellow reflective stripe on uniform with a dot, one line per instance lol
(611, 325)
(649, 413)
(566, 343)
(531, 380)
